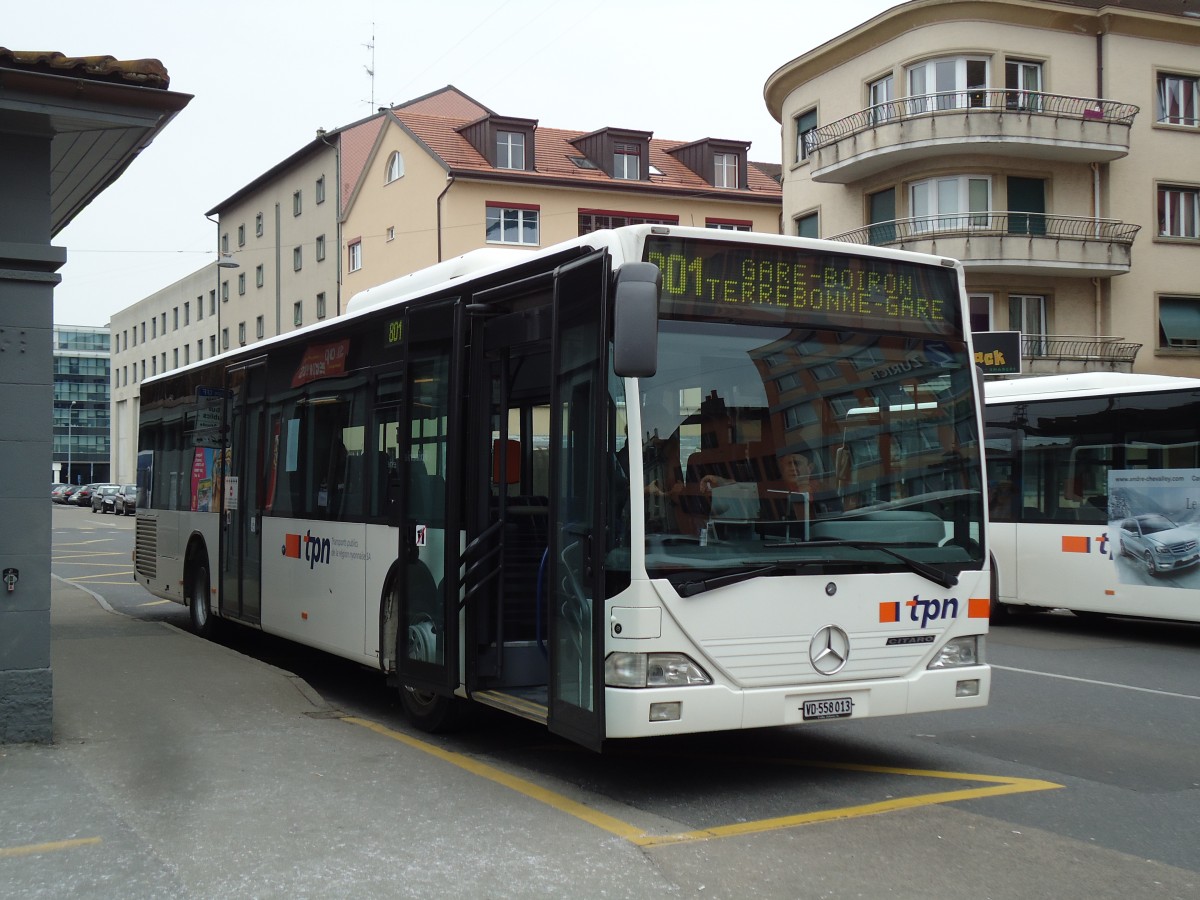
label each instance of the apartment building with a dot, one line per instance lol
(403, 189)
(1051, 146)
(276, 270)
(448, 175)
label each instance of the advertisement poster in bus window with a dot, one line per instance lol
(1154, 526)
(206, 479)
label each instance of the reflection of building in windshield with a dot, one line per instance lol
(878, 418)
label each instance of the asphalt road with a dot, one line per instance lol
(1086, 762)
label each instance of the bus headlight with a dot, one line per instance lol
(961, 651)
(639, 670)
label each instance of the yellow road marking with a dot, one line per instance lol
(31, 849)
(528, 788)
(156, 603)
(1000, 785)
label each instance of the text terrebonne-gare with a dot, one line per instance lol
(839, 289)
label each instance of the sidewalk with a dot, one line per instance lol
(181, 768)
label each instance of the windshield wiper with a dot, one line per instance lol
(691, 588)
(925, 570)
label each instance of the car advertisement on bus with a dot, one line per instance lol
(1154, 526)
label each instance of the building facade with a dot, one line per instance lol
(1050, 146)
(401, 190)
(447, 175)
(81, 405)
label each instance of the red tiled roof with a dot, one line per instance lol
(449, 102)
(356, 143)
(553, 153)
(141, 72)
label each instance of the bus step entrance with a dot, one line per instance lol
(528, 702)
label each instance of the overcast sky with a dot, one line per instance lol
(266, 75)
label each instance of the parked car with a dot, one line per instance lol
(102, 497)
(83, 496)
(54, 486)
(1159, 543)
(125, 500)
(63, 494)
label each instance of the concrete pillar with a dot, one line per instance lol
(28, 274)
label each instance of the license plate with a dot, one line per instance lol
(835, 708)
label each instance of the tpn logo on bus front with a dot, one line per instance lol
(931, 609)
(313, 549)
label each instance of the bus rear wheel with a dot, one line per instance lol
(201, 617)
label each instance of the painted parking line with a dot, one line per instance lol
(129, 572)
(996, 786)
(51, 847)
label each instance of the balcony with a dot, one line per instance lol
(1025, 124)
(1011, 242)
(1069, 353)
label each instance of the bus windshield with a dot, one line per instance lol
(807, 449)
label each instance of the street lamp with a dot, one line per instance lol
(70, 417)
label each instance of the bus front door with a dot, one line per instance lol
(575, 562)
(242, 492)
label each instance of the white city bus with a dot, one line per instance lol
(556, 486)
(1095, 494)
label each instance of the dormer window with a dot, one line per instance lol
(505, 142)
(627, 161)
(510, 150)
(618, 152)
(721, 163)
(725, 170)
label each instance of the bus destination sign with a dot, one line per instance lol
(753, 281)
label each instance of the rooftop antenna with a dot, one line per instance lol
(371, 68)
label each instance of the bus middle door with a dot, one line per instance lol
(242, 492)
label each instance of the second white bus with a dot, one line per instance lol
(1094, 481)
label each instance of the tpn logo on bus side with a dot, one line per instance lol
(1075, 543)
(313, 549)
(931, 609)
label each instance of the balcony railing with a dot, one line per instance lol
(993, 224)
(1079, 348)
(1036, 103)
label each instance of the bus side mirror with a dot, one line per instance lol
(635, 321)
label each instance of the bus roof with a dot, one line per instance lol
(1083, 384)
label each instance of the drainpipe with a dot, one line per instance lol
(449, 182)
(278, 270)
(1096, 220)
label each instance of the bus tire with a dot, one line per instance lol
(430, 712)
(200, 615)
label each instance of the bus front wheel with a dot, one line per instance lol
(429, 711)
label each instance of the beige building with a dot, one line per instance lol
(448, 175)
(403, 189)
(1051, 146)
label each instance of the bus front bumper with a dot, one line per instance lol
(646, 712)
